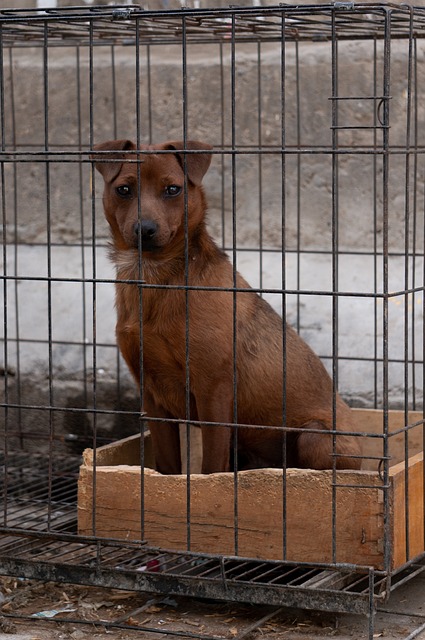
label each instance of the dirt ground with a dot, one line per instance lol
(33, 610)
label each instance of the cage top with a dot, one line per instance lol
(130, 24)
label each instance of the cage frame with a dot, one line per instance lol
(392, 22)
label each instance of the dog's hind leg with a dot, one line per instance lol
(316, 450)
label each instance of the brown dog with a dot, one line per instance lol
(152, 206)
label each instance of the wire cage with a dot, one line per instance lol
(316, 193)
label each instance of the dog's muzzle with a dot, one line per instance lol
(145, 235)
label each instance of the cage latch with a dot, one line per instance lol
(123, 13)
(345, 6)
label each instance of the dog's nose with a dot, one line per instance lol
(146, 229)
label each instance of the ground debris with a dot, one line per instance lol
(132, 622)
(7, 626)
(153, 609)
(100, 612)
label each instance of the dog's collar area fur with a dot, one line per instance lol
(131, 266)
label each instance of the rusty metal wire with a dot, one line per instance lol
(38, 528)
(118, 24)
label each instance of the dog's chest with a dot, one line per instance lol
(163, 345)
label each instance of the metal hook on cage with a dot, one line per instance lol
(379, 113)
(380, 472)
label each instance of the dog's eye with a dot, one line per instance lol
(124, 191)
(173, 190)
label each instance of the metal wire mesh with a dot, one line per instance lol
(241, 78)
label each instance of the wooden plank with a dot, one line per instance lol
(414, 522)
(195, 448)
(260, 514)
(126, 451)
(370, 421)
(306, 532)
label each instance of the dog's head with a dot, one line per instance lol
(148, 191)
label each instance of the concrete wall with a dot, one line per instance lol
(308, 123)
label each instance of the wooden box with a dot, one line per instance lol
(263, 531)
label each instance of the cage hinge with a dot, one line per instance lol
(345, 6)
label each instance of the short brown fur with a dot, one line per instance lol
(148, 210)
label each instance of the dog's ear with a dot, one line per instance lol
(109, 164)
(197, 164)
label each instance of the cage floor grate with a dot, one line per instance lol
(38, 539)
(36, 495)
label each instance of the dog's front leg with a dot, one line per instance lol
(216, 442)
(165, 439)
(166, 447)
(216, 405)
(315, 451)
